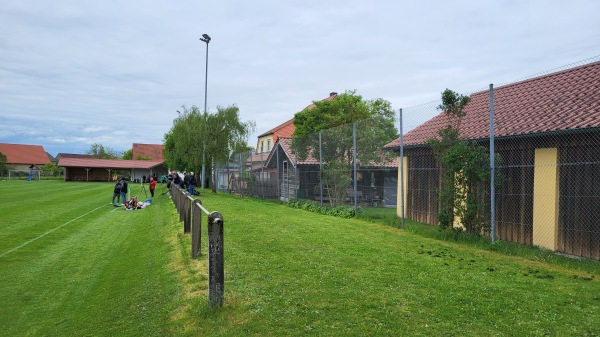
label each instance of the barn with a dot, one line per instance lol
(547, 135)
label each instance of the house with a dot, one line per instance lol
(299, 178)
(264, 181)
(147, 151)
(24, 158)
(547, 134)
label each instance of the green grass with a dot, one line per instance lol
(289, 272)
(80, 267)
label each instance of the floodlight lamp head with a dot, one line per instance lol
(205, 38)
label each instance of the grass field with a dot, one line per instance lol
(72, 265)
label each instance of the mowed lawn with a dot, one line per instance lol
(72, 265)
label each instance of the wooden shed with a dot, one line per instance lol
(547, 134)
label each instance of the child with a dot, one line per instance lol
(152, 186)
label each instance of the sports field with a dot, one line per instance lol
(73, 265)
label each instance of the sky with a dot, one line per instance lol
(77, 73)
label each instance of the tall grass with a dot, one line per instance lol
(289, 272)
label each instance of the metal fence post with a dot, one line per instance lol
(321, 168)
(492, 169)
(402, 187)
(354, 155)
(215, 259)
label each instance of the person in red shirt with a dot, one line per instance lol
(152, 186)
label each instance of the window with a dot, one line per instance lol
(268, 145)
(262, 146)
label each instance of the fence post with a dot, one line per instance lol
(492, 169)
(215, 259)
(196, 228)
(354, 156)
(402, 187)
(187, 212)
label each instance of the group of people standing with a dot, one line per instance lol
(188, 182)
(120, 190)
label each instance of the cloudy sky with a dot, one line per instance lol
(75, 73)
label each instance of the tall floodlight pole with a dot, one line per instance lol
(204, 38)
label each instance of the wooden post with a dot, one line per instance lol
(187, 212)
(215, 259)
(196, 228)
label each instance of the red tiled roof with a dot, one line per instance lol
(331, 97)
(287, 129)
(154, 151)
(108, 163)
(73, 155)
(561, 101)
(286, 144)
(283, 130)
(24, 154)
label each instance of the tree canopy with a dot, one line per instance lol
(99, 151)
(334, 118)
(198, 138)
(2, 163)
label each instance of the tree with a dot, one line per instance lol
(464, 169)
(128, 155)
(51, 168)
(198, 138)
(99, 151)
(2, 164)
(225, 135)
(374, 130)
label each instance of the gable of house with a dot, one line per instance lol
(564, 101)
(153, 151)
(20, 154)
(267, 140)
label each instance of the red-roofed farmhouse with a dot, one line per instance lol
(20, 157)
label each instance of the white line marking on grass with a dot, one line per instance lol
(48, 232)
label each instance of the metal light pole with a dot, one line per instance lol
(204, 38)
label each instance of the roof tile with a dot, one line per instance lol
(565, 100)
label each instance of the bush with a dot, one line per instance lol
(314, 206)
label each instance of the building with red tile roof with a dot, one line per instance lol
(547, 135)
(144, 151)
(268, 139)
(565, 101)
(92, 169)
(21, 157)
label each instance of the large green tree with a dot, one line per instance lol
(100, 151)
(198, 138)
(2, 164)
(374, 128)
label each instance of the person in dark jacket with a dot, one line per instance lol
(192, 184)
(177, 179)
(124, 190)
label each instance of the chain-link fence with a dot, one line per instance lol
(346, 165)
(543, 181)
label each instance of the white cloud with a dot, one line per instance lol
(71, 71)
